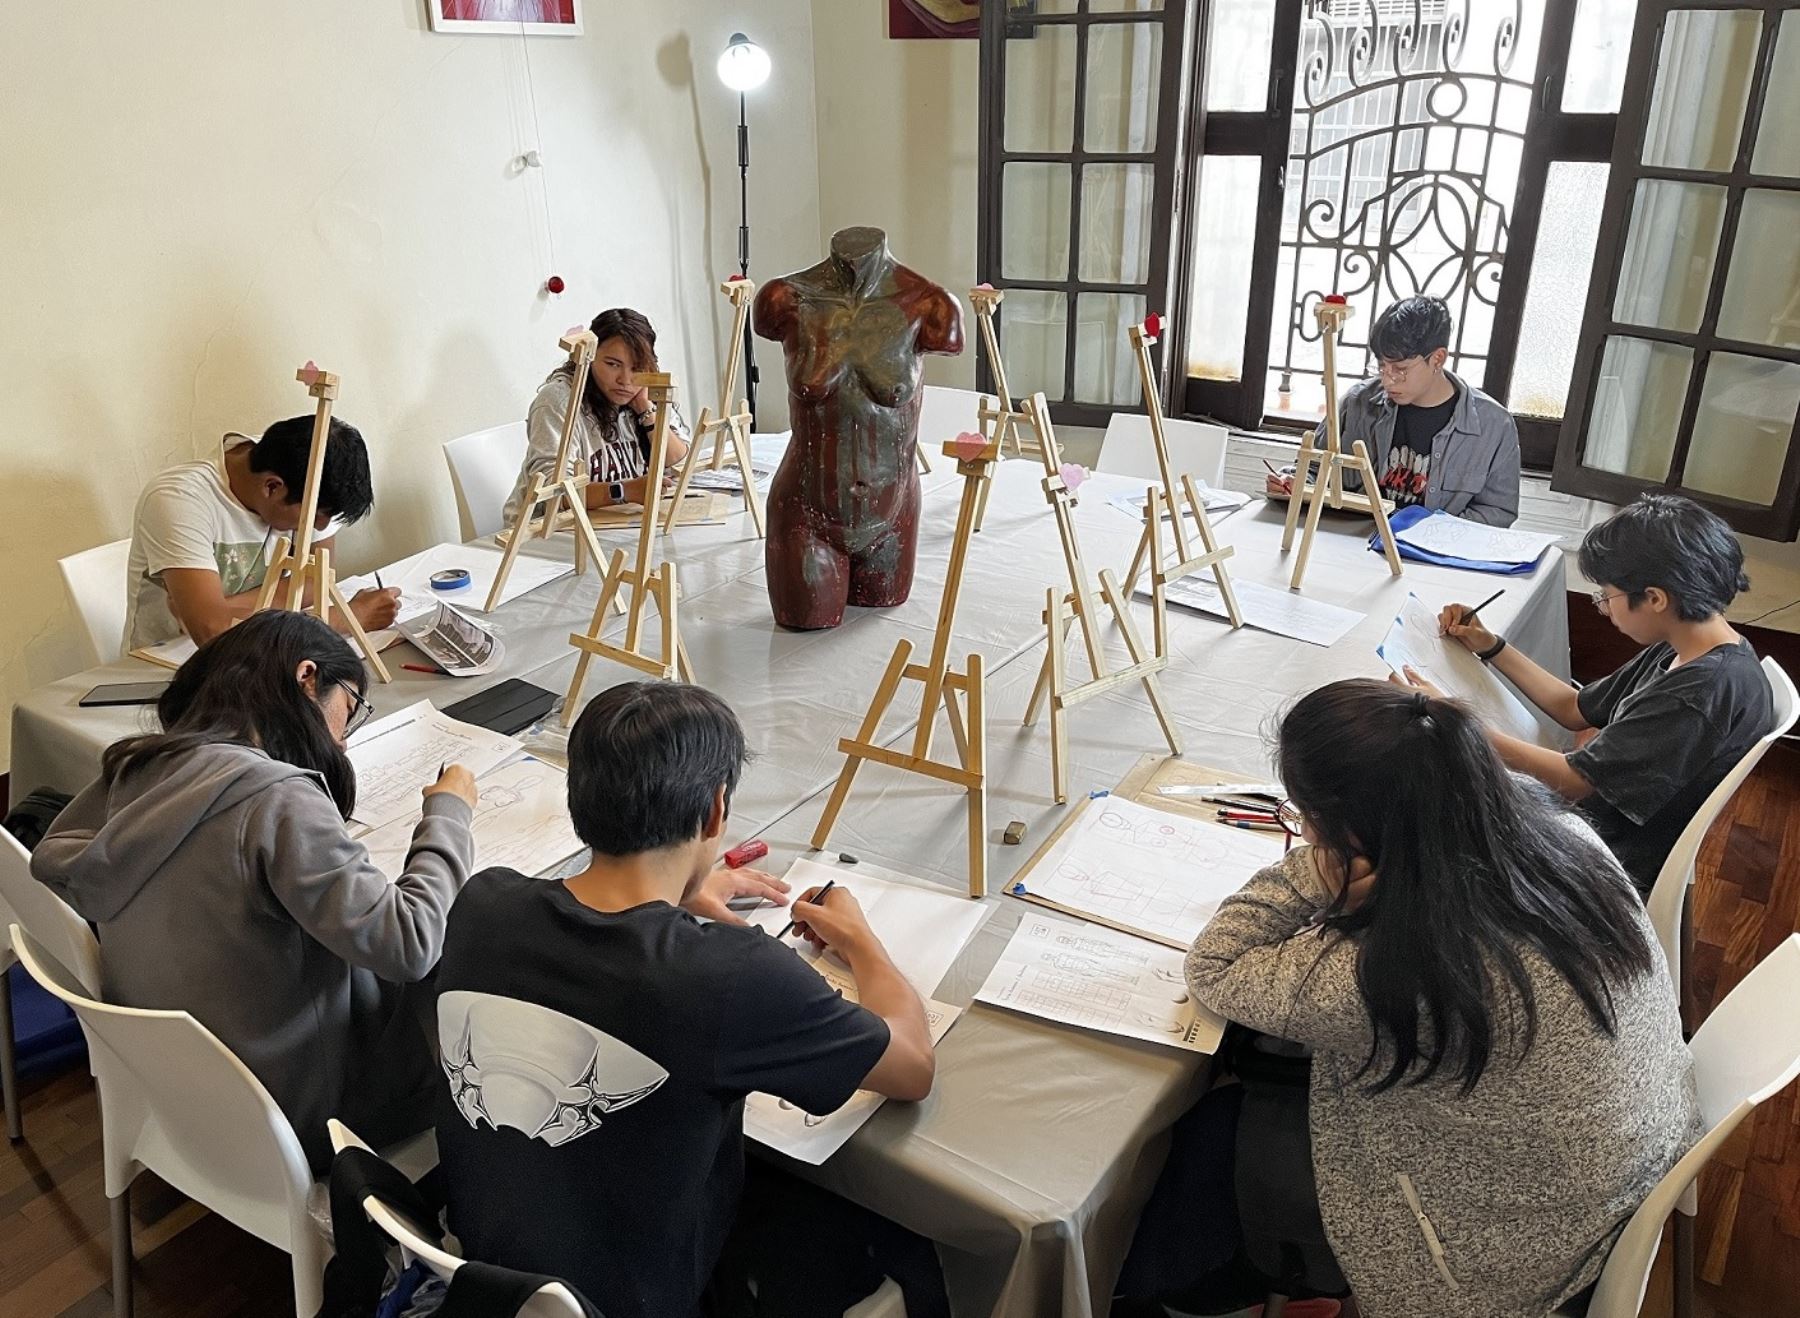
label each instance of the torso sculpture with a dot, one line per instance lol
(844, 505)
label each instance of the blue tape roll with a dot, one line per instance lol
(456, 578)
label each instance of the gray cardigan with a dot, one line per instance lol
(1474, 460)
(1525, 1182)
(223, 883)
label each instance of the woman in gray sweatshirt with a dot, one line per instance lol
(1498, 1075)
(214, 862)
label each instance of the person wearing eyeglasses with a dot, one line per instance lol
(1434, 438)
(1673, 721)
(214, 860)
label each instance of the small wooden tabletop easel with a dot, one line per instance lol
(1004, 422)
(1182, 502)
(731, 426)
(974, 456)
(648, 585)
(561, 495)
(297, 563)
(1327, 480)
(1081, 597)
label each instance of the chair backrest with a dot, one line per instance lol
(176, 1101)
(946, 413)
(64, 935)
(95, 580)
(552, 1301)
(1747, 1052)
(484, 468)
(1669, 894)
(1195, 448)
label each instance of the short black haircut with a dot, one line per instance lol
(645, 759)
(1412, 327)
(345, 488)
(1673, 543)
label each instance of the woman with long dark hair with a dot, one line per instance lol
(612, 429)
(1498, 1075)
(213, 859)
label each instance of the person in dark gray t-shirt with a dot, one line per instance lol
(1673, 721)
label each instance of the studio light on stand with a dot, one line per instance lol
(743, 68)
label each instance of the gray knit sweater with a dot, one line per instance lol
(1525, 1181)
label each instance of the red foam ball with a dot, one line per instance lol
(555, 284)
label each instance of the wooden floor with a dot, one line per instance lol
(53, 1250)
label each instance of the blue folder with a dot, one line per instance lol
(1405, 517)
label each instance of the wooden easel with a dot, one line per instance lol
(561, 495)
(1081, 597)
(1181, 502)
(730, 426)
(940, 682)
(1005, 421)
(298, 564)
(1324, 467)
(648, 586)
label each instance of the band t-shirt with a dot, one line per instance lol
(591, 1125)
(1409, 459)
(1667, 738)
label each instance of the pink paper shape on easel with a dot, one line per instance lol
(1073, 475)
(969, 445)
(985, 285)
(733, 279)
(573, 330)
(309, 373)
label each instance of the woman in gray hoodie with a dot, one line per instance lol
(214, 862)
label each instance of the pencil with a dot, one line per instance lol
(815, 901)
(1254, 828)
(1469, 614)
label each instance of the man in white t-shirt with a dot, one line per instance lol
(204, 532)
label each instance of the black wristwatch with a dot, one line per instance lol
(616, 492)
(1492, 653)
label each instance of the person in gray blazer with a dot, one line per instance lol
(214, 862)
(1498, 1074)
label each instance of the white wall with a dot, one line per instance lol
(197, 197)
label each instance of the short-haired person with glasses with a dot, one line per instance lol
(600, 1033)
(1434, 438)
(214, 861)
(1673, 721)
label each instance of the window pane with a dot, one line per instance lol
(1777, 144)
(1026, 8)
(1034, 225)
(1123, 6)
(1033, 336)
(1637, 407)
(1124, 75)
(1040, 90)
(1702, 81)
(1598, 48)
(1669, 254)
(1742, 430)
(1239, 46)
(1115, 223)
(1105, 366)
(1762, 288)
(1560, 266)
(1224, 242)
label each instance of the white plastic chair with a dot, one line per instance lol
(64, 935)
(1747, 1052)
(484, 468)
(1195, 448)
(1668, 903)
(95, 580)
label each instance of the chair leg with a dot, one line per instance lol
(121, 1253)
(1684, 1265)
(9, 1069)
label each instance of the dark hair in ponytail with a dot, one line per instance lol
(1473, 868)
(239, 688)
(639, 335)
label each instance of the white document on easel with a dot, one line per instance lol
(1414, 641)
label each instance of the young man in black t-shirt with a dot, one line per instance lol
(1675, 719)
(598, 1040)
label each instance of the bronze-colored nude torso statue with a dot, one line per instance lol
(844, 505)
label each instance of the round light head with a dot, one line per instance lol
(745, 65)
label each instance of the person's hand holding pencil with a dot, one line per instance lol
(831, 918)
(1462, 622)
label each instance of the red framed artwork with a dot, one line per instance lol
(552, 17)
(921, 19)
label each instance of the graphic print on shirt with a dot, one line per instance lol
(242, 567)
(514, 1063)
(1407, 474)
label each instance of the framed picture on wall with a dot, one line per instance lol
(545, 17)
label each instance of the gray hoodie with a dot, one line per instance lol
(223, 883)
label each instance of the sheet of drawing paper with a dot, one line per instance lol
(1413, 641)
(521, 821)
(413, 576)
(397, 757)
(1281, 612)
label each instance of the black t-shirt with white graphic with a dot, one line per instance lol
(592, 1124)
(1409, 460)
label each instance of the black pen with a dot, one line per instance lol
(378, 585)
(1469, 614)
(815, 902)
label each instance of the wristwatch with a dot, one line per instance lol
(1492, 653)
(647, 417)
(616, 491)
